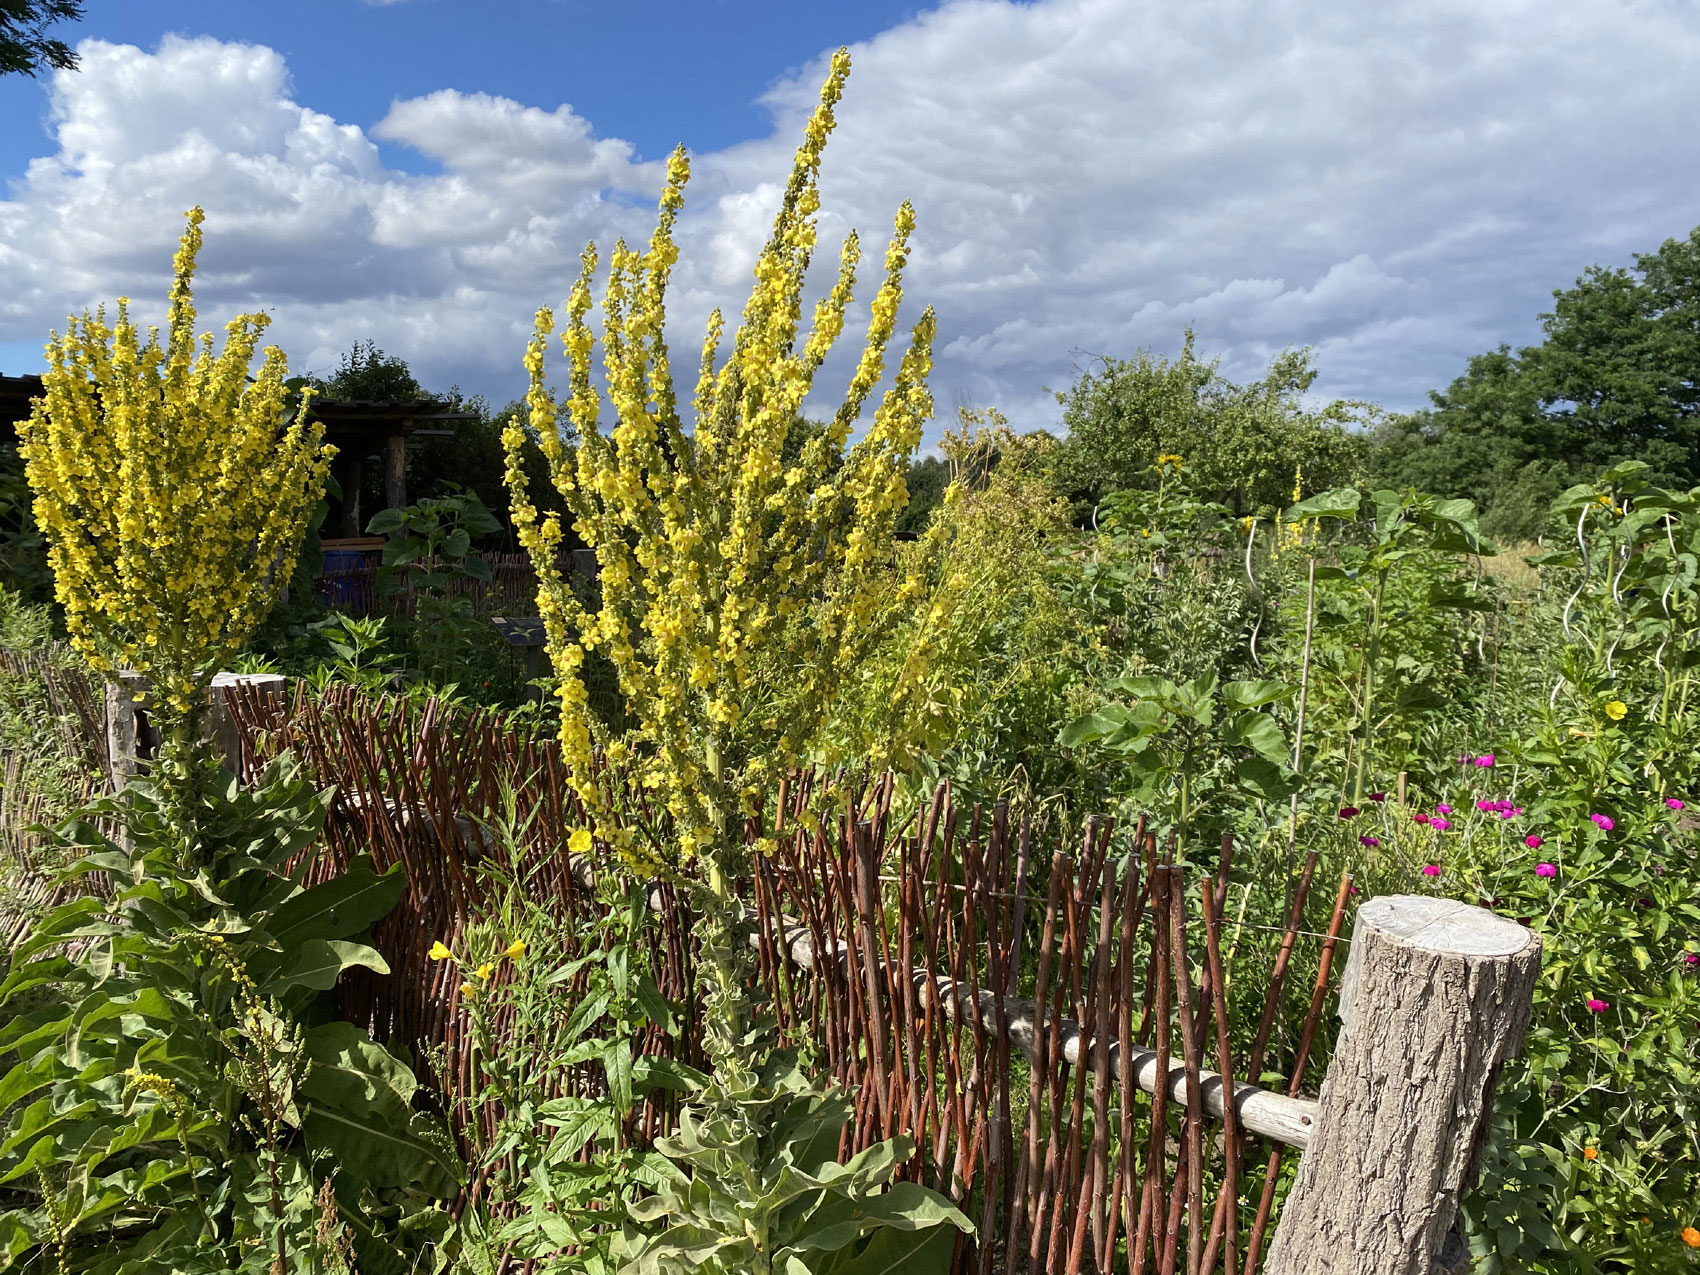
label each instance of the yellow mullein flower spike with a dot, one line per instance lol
(745, 560)
(172, 485)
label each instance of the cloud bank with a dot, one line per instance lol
(1398, 185)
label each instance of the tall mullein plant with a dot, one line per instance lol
(172, 485)
(737, 590)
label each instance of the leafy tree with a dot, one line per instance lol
(1241, 443)
(25, 46)
(928, 477)
(1617, 378)
(366, 372)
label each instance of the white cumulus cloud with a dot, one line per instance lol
(1399, 185)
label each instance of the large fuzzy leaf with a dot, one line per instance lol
(358, 1112)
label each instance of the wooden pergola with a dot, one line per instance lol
(375, 430)
(361, 430)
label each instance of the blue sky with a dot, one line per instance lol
(657, 72)
(1393, 185)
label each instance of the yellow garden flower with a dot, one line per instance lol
(513, 951)
(467, 989)
(1617, 710)
(440, 952)
(580, 842)
(171, 483)
(485, 970)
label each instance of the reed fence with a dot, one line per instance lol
(73, 732)
(1040, 1018)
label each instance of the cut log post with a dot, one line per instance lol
(1435, 999)
(131, 738)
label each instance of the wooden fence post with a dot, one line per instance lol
(1435, 998)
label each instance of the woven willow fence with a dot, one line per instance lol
(1048, 1022)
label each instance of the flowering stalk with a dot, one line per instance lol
(736, 588)
(172, 489)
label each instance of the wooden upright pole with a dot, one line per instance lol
(1435, 999)
(395, 470)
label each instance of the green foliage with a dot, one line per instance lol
(1614, 379)
(765, 1193)
(23, 550)
(177, 1096)
(429, 557)
(1241, 442)
(564, 1000)
(25, 45)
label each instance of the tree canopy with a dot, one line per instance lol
(25, 46)
(1616, 378)
(1241, 442)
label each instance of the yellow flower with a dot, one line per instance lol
(1617, 710)
(467, 989)
(485, 970)
(579, 842)
(439, 952)
(513, 951)
(145, 448)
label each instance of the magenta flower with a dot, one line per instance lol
(1485, 760)
(1443, 809)
(1675, 803)
(1441, 824)
(1487, 805)
(1378, 796)
(1346, 812)
(1419, 817)
(1533, 842)
(1510, 812)
(1602, 822)
(1691, 958)
(1597, 1006)
(1369, 841)
(1431, 869)
(1546, 869)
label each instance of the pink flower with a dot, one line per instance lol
(1602, 822)
(1378, 796)
(1596, 1006)
(1533, 842)
(1486, 759)
(1369, 841)
(1691, 958)
(1546, 870)
(1441, 824)
(1346, 812)
(1431, 869)
(1419, 817)
(1510, 812)
(1675, 803)
(1487, 805)
(1443, 809)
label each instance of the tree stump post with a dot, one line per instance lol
(1435, 998)
(131, 738)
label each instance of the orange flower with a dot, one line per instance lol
(1590, 1154)
(1691, 1237)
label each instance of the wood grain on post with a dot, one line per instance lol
(1435, 999)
